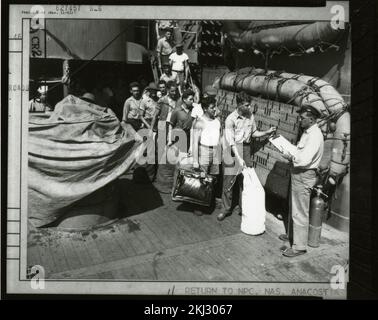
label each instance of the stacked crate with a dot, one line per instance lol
(271, 168)
(211, 48)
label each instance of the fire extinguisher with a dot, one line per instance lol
(317, 212)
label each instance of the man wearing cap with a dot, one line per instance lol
(40, 104)
(179, 64)
(164, 48)
(148, 105)
(210, 91)
(304, 165)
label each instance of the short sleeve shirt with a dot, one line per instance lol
(238, 129)
(164, 47)
(178, 61)
(197, 111)
(165, 107)
(148, 107)
(134, 106)
(173, 77)
(181, 119)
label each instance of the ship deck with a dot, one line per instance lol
(158, 239)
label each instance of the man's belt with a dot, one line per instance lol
(209, 147)
(301, 170)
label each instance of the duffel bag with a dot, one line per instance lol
(194, 187)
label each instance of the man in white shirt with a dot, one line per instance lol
(305, 163)
(179, 64)
(206, 141)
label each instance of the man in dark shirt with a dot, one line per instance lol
(182, 119)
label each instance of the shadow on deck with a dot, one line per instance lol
(157, 239)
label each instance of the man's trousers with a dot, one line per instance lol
(299, 206)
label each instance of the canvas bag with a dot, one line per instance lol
(253, 203)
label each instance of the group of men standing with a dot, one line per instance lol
(214, 146)
(177, 115)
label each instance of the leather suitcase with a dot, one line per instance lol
(194, 187)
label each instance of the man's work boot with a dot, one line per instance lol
(197, 212)
(291, 253)
(284, 237)
(221, 216)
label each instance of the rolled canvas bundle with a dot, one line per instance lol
(299, 90)
(78, 149)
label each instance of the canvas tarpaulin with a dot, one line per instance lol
(76, 150)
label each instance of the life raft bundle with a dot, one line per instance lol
(288, 34)
(298, 90)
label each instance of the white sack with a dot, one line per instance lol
(253, 203)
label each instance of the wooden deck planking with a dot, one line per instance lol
(236, 270)
(276, 275)
(210, 228)
(69, 254)
(187, 219)
(133, 241)
(289, 270)
(178, 245)
(161, 231)
(193, 266)
(45, 262)
(162, 270)
(232, 223)
(327, 263)
(180, 235)
(242, 261)
(209, 267)
(253, 257)
(185, 228)
(125, 246)
(145, 229)
(91, 245)
(33, 255)
(60, 258)
(227, 268)
(145, 242)
(196, 224)
(181, 270)
(146, 271)
(109, 248)
(188, 272)
(82, 252)
(175, 272)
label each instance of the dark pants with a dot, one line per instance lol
(233, 181)
(135, 123)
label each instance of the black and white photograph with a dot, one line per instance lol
(190, 151)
